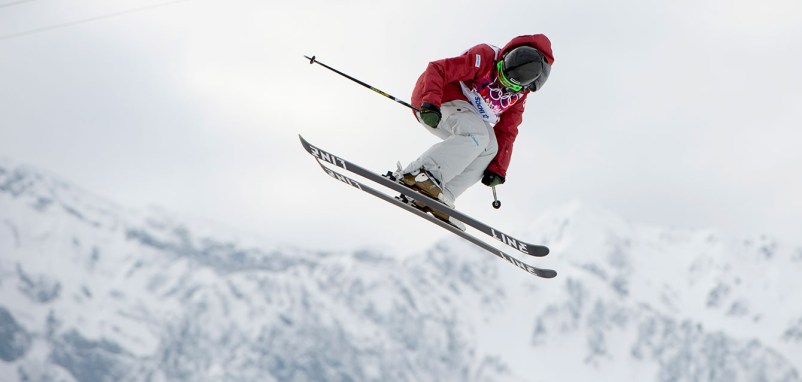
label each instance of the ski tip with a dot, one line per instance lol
(305, 144)
(548, 273)
(538, 251)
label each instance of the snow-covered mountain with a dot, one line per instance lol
(90, 291)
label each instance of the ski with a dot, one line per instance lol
(519, 245)
(539, 272)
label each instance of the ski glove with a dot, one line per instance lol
(491, 179)
(430, 115)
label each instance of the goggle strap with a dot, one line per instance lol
(503, 78)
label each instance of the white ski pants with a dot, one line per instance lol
(468, 146)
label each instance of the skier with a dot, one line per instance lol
(474, 103)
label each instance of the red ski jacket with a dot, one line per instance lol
(473, 74)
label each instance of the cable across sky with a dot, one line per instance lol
(82, 21)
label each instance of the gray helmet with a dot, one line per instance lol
(524, 66)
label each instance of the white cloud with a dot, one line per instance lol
(676, 113)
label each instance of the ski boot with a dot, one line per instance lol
(425, 183)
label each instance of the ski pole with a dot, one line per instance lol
(312, 60)
(496, 202)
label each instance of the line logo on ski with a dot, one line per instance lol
(500, 236)
(324, 156)
(341, 178)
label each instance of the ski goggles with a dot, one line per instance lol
(502, 78)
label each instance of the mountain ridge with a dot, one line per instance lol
(91, 291)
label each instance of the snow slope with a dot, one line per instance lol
(90, 291)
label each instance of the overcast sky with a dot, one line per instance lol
(675, 113)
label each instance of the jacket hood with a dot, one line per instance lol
(537, 41)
